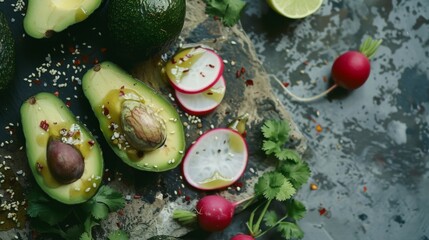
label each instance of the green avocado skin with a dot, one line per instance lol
(7, 53)
(139, 29)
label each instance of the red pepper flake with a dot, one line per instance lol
(91, 143)
(56, 93)
(136, 196)
(68, 103)
(105, 111)
(211, 65)
(37, 81)
(179, 192)
(365, 189)
(85, 58)
(44, 125)
(322, 211)
(72, 49)
(249, 82)
(76, 62)
(286, 84)
(187, 198)
(39, 167)
(240, 72)
(325, 79)
(202, 74)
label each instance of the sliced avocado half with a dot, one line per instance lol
(45, 17)
(64, 157)
(110, 90)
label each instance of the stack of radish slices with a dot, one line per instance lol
(197, 77)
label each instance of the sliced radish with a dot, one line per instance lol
(216, 160)
(205, 102)
(194, 70)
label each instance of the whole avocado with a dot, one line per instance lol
(7, 53)
(139, 29)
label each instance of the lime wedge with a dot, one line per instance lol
(295, 8)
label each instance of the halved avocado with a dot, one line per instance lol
(45, 17)
(107, 87)
(54, 137)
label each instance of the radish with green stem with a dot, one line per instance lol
(350, 70)
(212, 213)
(242, 236)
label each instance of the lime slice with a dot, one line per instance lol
(295, 8)
(216, 160)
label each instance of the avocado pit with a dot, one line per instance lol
(143, 128)
(65, 162)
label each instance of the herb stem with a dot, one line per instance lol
(273, 226)
(256, 227)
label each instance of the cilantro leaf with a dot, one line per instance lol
(100, 211)
(276, 130)
(270, 147)
(297, 172)
(273, 185)
(290, 230)
(287, 154)
(113, 200)
(270, 218)
(41, 206)
(118, 235)
(295, 209)
(73, 232)
(85, 236)
(228, 10)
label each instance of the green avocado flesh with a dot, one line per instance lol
(44, 117)
(7, 53)
(107, 86)
(44, 17)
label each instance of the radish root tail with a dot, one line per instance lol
(302, 99)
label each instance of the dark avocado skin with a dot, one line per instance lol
(7, 53)
(139, 29)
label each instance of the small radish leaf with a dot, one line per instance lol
(297, 172)
(270, 218)
(273, 185)
(295, 209)
(290, 230)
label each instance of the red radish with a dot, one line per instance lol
(216, 160)
(242, 236)
(205, 102)
(212, 213)
(194, 70)
(350, 70)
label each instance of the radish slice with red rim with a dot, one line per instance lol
(204, 102)
(194, 70)
(216, 160)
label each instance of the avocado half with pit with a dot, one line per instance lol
(64, 157)
(140, 125)
(45, 17)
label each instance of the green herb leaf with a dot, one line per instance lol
(290, 230)
(270, 147)
(270, 218)
(228, 10)
(276, 130)
(295, 209)
(297, 172)
(43, 207)
(118, 235)
(73, 232)
(287, 154)
(85, 236)
(100, 211)
(273, 185)
(113, 200)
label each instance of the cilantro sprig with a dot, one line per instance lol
(229, 11)
(65, 221)
(279, 185)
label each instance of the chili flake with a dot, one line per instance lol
(319, 128)
(249, 82)
(44, 125)
(322, 211)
